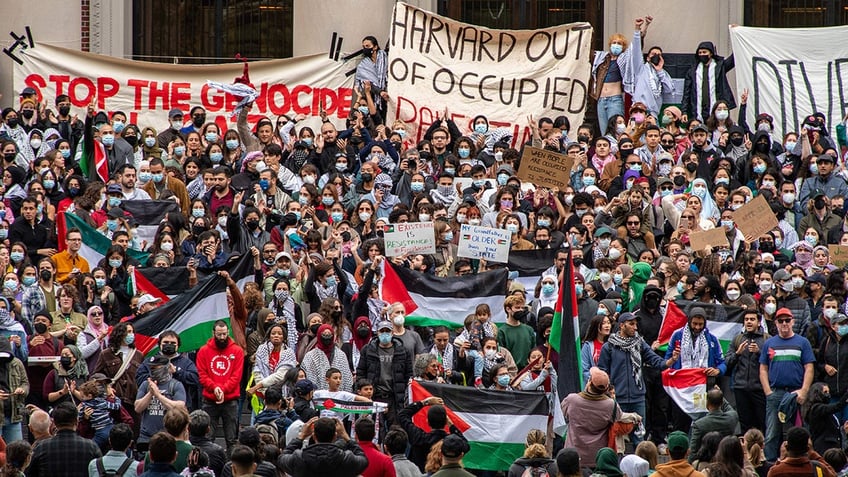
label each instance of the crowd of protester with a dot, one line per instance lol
(310, 206)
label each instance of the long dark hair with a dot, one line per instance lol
(709, 447)
(116, 337)
(729, 459)
(595, 328)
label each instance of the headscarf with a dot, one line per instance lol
(549, 300)
(6, 320)
(606, 463)
(96, 331)
(815, 268)
(634, 466)
(389, 199)
(327, 349)
(709, 209)
(261, 316)
(638, 280)
(358, 342)
(805, 264)
(78, 370)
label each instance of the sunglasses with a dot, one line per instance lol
(784, 320)
(667, 143)
(667, 188)
(97, 313)
(634, 223)
(687, 216)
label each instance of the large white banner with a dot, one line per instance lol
(793, 72)
(146, 91)
(437, 63)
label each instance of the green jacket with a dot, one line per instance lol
(17, 379)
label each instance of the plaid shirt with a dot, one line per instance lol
(33, 300)
(66, 454)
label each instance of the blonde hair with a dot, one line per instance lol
(535, 436)
(535, 451)
(619, 38)
(434, 458)
(754, 444)
(535, 442)
(648, 451)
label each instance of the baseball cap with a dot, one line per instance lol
(602, 231)
(384, 325)
(147, 298)
(115, 213)
(454, 446)
(839, 318)
(158, 360)
(28, 91)
(700, 127)
(784, 312)
(678, 440)
(568, 461)
(174, 113)
(303, 387)
(826, 158)
(114, 189)
(100, 377)
(283, 255)
(626, 316)
(817, 278)
(782, 275)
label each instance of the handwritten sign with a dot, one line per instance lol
(483, 242)
(755, 218)
(410, 237)
(545, 168)
(838, 255)
(714, 238)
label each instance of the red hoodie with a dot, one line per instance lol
(220, 368)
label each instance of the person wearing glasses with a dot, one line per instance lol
(69, 263)
(787, 366)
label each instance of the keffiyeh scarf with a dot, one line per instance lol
(633, 346)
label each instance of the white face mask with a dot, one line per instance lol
(614, 253)
(770, 308)
(733, 295)
(765, 285)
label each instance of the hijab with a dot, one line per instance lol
(91, 328)
(606, 463)
(327, 349)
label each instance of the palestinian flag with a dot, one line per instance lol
(565, 334)
(724, 322)
(434, 301)
(148, 214)
(530, 264)
(495, 423)
(94, 163)
(348, 407)
(191, 314)
(687, 388)
(94, 248)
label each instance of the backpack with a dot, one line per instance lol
(269, 430)
(535, 471)
(113, 473)
(818, 470)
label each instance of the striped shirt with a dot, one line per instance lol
(786, 358)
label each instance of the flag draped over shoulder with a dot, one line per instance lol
(687, 388)
(94, 163)
(495, 423)
(565, 334)
(434, 301)
(530, 264)
(193, 313)
(724, 322)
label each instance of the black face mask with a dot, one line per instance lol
(314, 329)
(169, 349)
(521, 315)
(65, 361)
(652, 303)
(367, 52)
(363, 332)
(252, 224)
(625, 153)
(691, 166)
(40, 328)
(64, 110)
(819, 203)
(577, 261)
(767, 246)
(543, 243)
(46, 275)
(27, 113)
(10, 156)
(367, 177)
(198, 120)
(12, 122)
(761, 147)
(197, 229)
(704, 58)
(326, 340)
(582, 138)
(222, 344)
(758, 268)
(132, 140)
(336, 314)
(679, 181)
(737, 141)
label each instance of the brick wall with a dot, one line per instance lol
(85, 14)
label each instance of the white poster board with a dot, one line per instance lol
(486, 243)
(410, 237)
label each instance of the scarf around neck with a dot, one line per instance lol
(633, 346)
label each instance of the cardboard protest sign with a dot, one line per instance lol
(485, 243)
(436, 62)
(755, 218)
(792, 72)
(545, 168)
(838, 255)
(716, 237)
(410, 237)
(146, 91)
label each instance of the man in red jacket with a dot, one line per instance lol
(219, 364)
(379, 464)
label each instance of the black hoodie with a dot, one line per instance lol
(649, 320)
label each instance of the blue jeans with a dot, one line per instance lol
(12, 431)
(101, 437)
(609, 106)
(638, 408)
(478, 362)
(774, 428)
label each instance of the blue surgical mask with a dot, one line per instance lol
(179, 151)
(115, 263)
(450, 170)
(385, 338)
(363, 109)
(463, 152)
(842, 330)
(814, 168)
(548, 289)
(327, 200)
(307, 141)
(118, 126)
(699, 191)
(481, 128)
(112, 225)
(544, 223)
(341, 166)
(28, 281)
(790, 146)
(479, 183)
(198, 213)
(4, 234)
(264, 184)
(49, 184)
(108, 139)
(16, 256)
(150, 141)
(680, 288)
(303, 200)
(10, 284)
(66, 153)
(211, 137)
(579, 290)
(602, 311)
(331, 282)
(40, 209)
(616, 49)
(232, 143)
(503, 380)
(337, 216)
(114, 201)
(157, 178)
(618, 307)
(617, 279)
(416, 186)
(666, 192)
(502, 178)
(297, 215)
(129, 339)
(99, 283)
(759, 168)
(448, 236)
(588, 181)
(216, 157)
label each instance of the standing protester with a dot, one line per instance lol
(221, 363)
